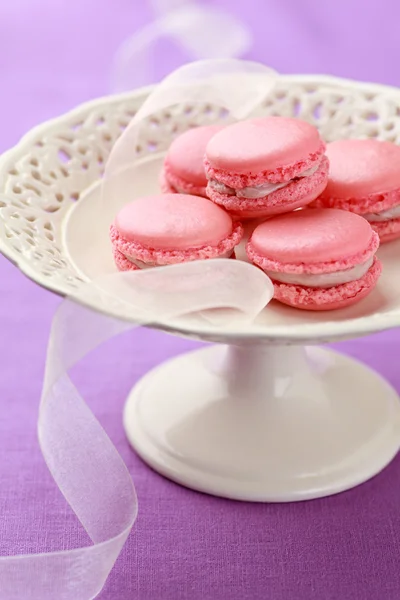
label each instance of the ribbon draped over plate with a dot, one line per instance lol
(83, 462)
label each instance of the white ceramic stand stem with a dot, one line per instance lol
(264, 423)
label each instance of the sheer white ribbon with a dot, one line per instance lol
(84, 463)
(196, 30)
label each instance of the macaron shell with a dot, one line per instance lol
(122, 263)
(184, 159)
(159, 257)
(173, 221)
(313, 237)
(165, 186)
(374, 203)
(360, 168)
(262, 144)
(297, 194)
(171, 184)
(333, 298)
(387, 230)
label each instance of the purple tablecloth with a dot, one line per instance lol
(53, 55)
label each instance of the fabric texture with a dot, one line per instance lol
(184, 546)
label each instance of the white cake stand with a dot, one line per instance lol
(258, 416)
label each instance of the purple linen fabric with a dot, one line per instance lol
(185, 546)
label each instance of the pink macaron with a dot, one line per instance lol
(183, 169)
(171, 228)
(364, 178)
(318, 259)
(266, 166)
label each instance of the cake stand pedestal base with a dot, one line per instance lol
(264, 423)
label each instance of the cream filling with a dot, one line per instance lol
(323, 280)
(144, 265)
(259, 191)
(385, 215)
(180, 190)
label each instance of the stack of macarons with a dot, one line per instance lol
(253, 169)
(316, 211)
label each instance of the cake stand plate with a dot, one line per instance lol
(261, 416)
(264, 424)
